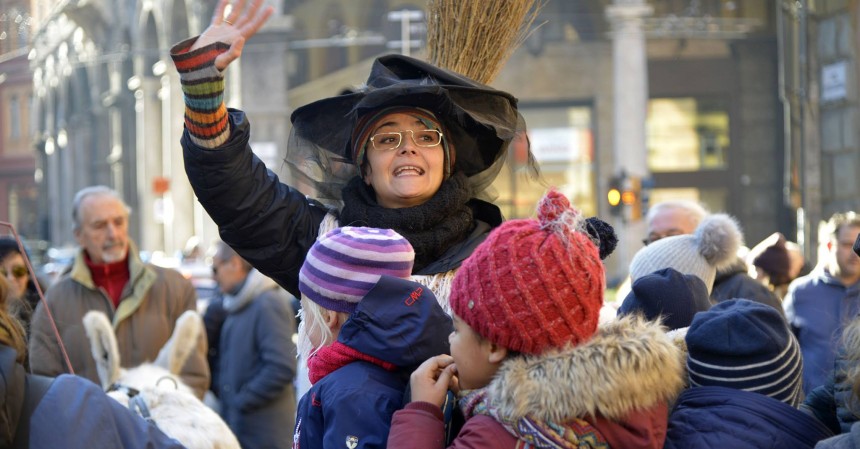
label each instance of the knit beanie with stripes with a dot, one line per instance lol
(747, 346)
(532, 284)
(346, 263)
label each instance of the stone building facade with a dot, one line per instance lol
(18, 190)
(730, 121)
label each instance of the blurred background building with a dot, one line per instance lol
(748, 106)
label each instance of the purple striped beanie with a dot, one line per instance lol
(346, 263)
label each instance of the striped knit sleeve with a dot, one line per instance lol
(203, 89)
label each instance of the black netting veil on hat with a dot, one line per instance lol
(480, 123)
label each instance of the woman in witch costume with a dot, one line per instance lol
(412, 150)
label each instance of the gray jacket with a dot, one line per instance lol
(257, 364)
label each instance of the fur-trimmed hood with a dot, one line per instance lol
(630, 364)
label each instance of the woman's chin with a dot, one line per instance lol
(408, 199)
(411, 194)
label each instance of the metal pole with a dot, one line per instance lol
(404, 34)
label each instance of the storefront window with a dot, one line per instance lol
(562, 141)
(687, 134)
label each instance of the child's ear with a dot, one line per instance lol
(497, 353)
(332, 320)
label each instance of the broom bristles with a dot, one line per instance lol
(475, 38)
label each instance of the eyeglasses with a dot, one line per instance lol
(425, 138)
(18, 271)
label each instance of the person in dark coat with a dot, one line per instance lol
(365, 327)
(256, 355)
(849, 439)
(819, 305)
(744, 369)
(733, 281)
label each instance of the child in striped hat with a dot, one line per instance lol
(744, 367)
(365, 327)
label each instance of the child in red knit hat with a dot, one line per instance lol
(527, 360)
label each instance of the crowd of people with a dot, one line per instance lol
(418, 317)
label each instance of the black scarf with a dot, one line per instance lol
(432, 228)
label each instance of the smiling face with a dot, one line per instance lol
(409, 175)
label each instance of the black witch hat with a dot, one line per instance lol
(481, 122)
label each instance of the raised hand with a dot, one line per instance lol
(432, 380)
(245, 19)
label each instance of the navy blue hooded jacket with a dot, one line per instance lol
(399, 322)
(74, 413)
(707, 417)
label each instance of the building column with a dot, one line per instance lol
(149, 162)
(630, 103)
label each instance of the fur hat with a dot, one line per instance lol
(667, 294)
(713, 245)
(534, 284)
(346, 263)
(745, 345)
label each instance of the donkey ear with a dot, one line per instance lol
(178, 348)
(103, 346)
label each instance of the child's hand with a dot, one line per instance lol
(431, 381)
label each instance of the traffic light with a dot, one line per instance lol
(631, 196)
(614, 195)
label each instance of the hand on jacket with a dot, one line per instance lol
(432, 380)
(244, 20)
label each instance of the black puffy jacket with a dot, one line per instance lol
(273, 225)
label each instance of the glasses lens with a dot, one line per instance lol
(386, 141)
(427, 138)
(17, 271)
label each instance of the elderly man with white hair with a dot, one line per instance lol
(143, 300)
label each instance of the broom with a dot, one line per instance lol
(476, 37)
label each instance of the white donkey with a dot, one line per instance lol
(154, 390)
